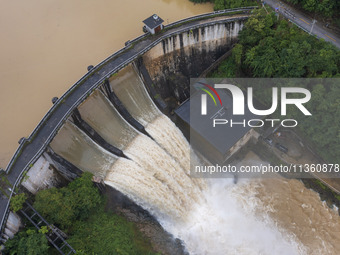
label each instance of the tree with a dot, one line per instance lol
(66, 205)
(293, 63)
(108, 234)
(259, 26)
(323, 62)
(327, 8)
(219, 5)
(81, 210)
(264, 58)
(237, 52)
(17, 202)
(229, 4)
(273, 48)
(28, 242)
(226, 69)
(310, 5)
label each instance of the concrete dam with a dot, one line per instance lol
(114, 124)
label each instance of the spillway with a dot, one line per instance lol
(100, 114)
(146, 153)
(147, 187)
(130, 89)
(216, 217)
(75, 146)
(131, 92)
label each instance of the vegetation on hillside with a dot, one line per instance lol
(227, 4)
(108, 233)
(65, 205)
(78, 210)
(28, 242)
(275, 48)
(326, 8)
(17, 202)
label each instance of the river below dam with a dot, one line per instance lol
(260, 216)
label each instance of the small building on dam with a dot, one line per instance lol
(153, 24)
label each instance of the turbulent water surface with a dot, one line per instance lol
(215, 216)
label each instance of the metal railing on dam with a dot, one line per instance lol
(31, 149)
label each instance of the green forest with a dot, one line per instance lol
(79, 210)
(328, 10)
(325, 8)
(273, 48)
(228, 4)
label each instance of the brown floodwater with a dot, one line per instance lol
(296, 211)
(46, 46)
(300, 212)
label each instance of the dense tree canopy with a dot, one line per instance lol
(64, 206)
(272, 48)
(29, 242)
(108, 234)
(327, 8)
(78, 210)
(278, 49)
(323, 129)
(227, 4)
(17, 202)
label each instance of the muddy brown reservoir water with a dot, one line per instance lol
(46, 46)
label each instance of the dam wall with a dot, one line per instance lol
(176, 59)
(31, 148)
(42, 175)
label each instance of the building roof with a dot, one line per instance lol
(221, 137)
(153, 21)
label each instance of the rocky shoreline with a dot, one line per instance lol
(326, 194)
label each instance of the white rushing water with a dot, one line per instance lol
(131, 91)
(214, 221)
(145, 153)
(211, 217)
(225, 223)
